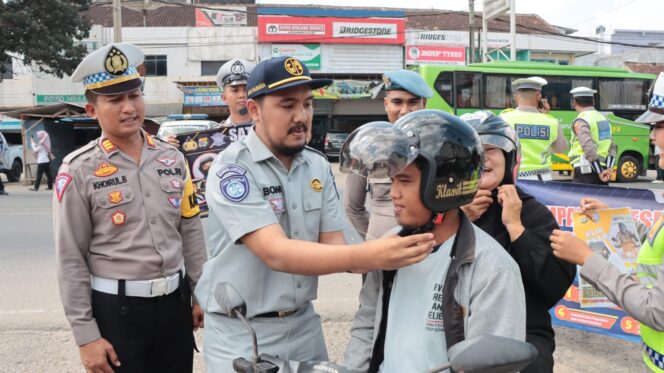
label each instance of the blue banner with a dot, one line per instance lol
(563, 200)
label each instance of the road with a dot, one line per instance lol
(34, 336)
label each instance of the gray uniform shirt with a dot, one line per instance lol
(116, 219)
(381, 219)
(248, 189)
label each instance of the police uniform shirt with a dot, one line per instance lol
(117, 219)
(248, 189)
(228, 122)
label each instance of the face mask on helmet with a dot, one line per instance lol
(494, 130)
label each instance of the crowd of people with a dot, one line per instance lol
(453, 247)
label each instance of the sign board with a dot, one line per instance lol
(211, 18)
(52, 99)
(424, 54)
(331, 30)
(202, 96)
(453, 38)
(309, 54)
(349, 90)
(494, 8)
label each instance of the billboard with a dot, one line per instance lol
(424, 54)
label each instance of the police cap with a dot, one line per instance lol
(111, 69)
(234, 72)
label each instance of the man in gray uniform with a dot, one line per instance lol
(126, 231)
(276, 224)
(406, 92)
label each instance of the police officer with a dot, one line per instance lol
(593, 152)
(539, 133)
(276, 223)
(232, 80)
(405, 92)
(129, 242)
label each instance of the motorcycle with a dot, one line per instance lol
(480, 354)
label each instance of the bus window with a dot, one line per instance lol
(467, 90)
(557, 90)
(498, 92)
(623, 94)
(443, 86)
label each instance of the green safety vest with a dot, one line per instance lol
(536, 132)
(648, 262)
(600, 132)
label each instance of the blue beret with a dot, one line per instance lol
(406, 80)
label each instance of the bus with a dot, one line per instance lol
(622, 96)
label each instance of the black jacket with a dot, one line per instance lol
(545, 277)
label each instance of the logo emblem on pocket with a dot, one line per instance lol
(115, 196)
(119, 218)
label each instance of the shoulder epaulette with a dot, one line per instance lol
(232, 152)
(316, 151)
(80, 151)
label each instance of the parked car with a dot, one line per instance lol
(181, 123)
(333, 142)
(11, 158)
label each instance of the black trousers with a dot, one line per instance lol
(2, 186)
(44, 169)
(148, 334)
(544, 361)
(591, 178)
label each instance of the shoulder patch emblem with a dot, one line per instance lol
(105, 170)
(166, 161)
(119, 218)
(175, 202)
(61, 181)
(316, 185)
(107, 145)
(234, 184)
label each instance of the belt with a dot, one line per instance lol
(278, 313)
(140, 288)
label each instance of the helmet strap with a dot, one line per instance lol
(438, 218)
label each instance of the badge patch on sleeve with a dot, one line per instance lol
(61, 181)
(234, 184)
(316, 185)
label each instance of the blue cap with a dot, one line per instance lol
(406, 80)
(280, 73)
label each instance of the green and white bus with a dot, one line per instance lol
(622, 96)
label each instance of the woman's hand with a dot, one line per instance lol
(511, 216)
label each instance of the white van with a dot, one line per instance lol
(181, 123)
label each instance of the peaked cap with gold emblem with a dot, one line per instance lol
(280, 73)
(111, 69)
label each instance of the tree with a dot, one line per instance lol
(43, 32)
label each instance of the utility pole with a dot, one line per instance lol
(471, 30)
(512, 30)
(117, 21)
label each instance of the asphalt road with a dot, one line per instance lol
(34, 335)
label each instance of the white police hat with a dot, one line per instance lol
(111, 69)
(234, 72)
(655, 111)
(582, 92)
(533, 82)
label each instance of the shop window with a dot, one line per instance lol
(156, 65)
(468, 90)
(557, 90)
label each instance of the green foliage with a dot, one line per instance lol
(44, 32)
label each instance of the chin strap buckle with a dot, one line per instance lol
(438, 218)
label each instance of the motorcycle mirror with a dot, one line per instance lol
(489, 354)
(230, 300)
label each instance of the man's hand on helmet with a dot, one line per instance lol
(393, 252)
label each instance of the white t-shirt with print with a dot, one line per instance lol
(415, 336)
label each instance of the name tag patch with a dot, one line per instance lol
(234, 184)
(533, 131)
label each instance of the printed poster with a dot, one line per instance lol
(200, 148)
(612, 234)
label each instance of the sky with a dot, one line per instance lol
(582, 15)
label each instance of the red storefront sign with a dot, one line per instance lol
(422, 54)
(331, 30)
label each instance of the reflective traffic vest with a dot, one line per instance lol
(648, 262)
(536, 133)
(600, 132)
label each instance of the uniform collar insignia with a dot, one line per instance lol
(108, 146)
(149, 140)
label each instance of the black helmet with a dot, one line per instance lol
(448, 147)
(495, 131)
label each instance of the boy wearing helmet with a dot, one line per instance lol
(522, 226)
(469, 286)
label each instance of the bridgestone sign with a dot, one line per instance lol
(364, 30)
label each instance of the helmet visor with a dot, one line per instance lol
(498, 141)
(377, 150)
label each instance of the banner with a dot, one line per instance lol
(424, 54)
(201, 148)
(563, 200)
(213, 17)
(331, 30)
(349, 89)
(308, 54)
(202, 96)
